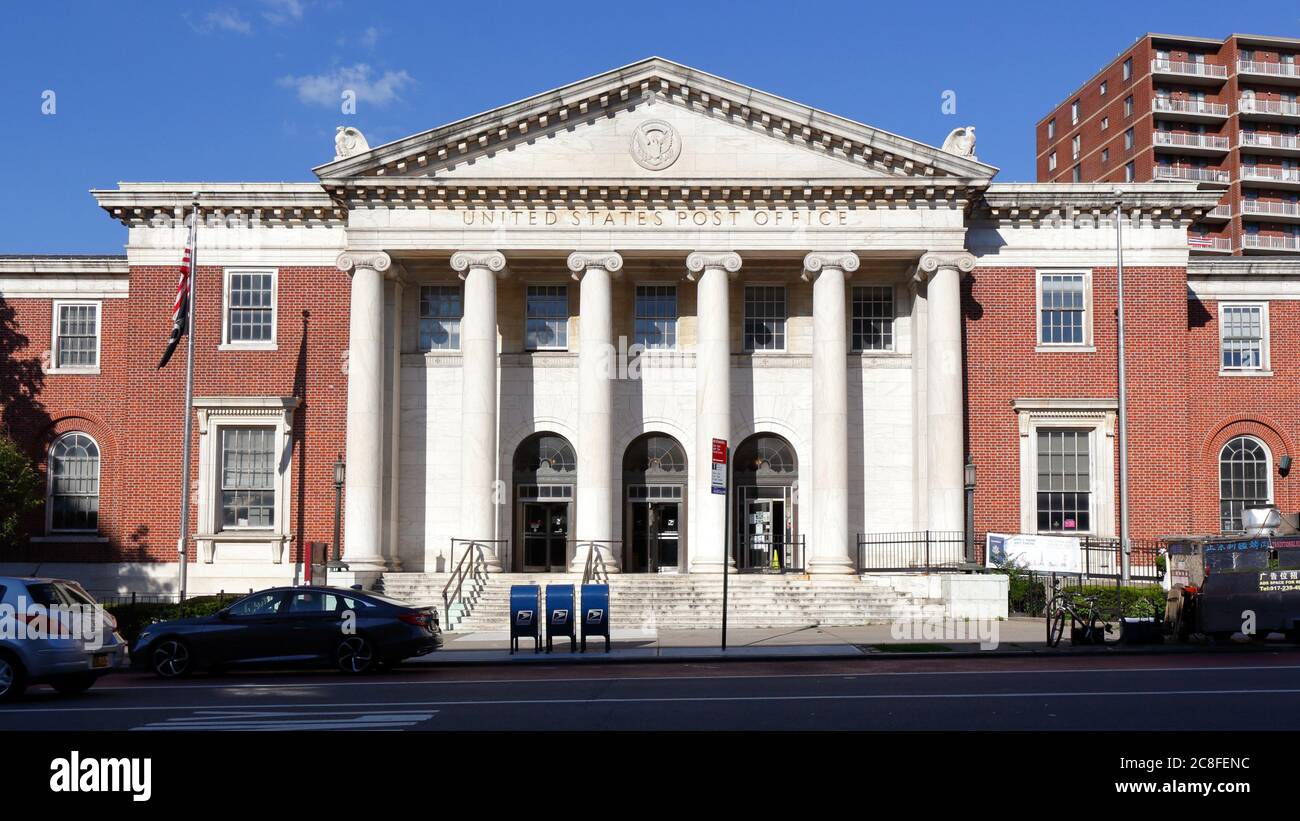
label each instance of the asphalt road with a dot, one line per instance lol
(1210, 691)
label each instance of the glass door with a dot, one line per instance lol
(545, 535)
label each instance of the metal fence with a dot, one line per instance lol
(114, 599)
(921, 550)
(1101, 573)
(772, 554)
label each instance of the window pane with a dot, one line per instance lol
(547, 323)
(78, 341)
(1063, 309)
(250, 307)
(247, 477)
(1064, 481)
(1243, 480)
(440, 313)
(74, 483)
(873, 318)
(655, 316)
(764, 318)
(1243, 336)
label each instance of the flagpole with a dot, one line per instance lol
(182, 541)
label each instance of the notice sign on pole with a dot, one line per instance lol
(720, 466)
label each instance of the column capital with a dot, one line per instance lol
(349, 261)
(494, 261)
(813, 263)
(582, 261)
(933, 261)
(698, 261)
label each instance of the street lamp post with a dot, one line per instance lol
(340, 473)
(1123, 392)
(970, 510)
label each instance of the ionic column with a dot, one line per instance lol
(478, 400)
(830, 550)
(712, 272)
(941, 273)
(362, 505)
(596, 373)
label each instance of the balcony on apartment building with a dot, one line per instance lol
(1191, 143)
(1220, 245)
(1189, 72)
(1188, 172)
(1270, 245)
(1194, 110)
(1281, 73)
(1257, 143)
(1219, 213)
(1273, 211)
(1257, 109)
(1270, 177)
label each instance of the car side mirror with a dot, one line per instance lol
(223, 614)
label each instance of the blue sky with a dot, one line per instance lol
(227, 90)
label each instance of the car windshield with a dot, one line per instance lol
(258, 604)
(45, 593)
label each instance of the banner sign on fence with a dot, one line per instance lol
(1051, 554)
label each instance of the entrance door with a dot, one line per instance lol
(764, 530)
(546, 536)
(655, 543)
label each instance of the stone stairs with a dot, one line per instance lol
(679, 601)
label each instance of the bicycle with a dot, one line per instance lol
(1082, 610)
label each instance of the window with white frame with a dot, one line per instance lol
(1074, 113)
(250, 308)
(1064, 489)
(1128, 106)
(765, 317)
(76, 336)
(547, 318)
(1244, 479)
(873, 318)
(440, 314)
(1051, 161)
(1063, 309)
(1076, 145)
(73, 484)
(1102, 88)
(655, 317)
(1051, 128)
(1130, 172)
(248, 472)
(1243, 337)
(1128, 69)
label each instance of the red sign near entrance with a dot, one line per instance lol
(719, 478)
(720, 450)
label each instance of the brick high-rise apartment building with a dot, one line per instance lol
(1219, 112)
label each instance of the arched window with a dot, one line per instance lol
(654, 457)
(74, 484)
(1244, 479)
(545, 457)
(766, 456)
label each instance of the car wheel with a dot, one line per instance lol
(171, 658)
(354, 655)
(73, 685)
(13, 678)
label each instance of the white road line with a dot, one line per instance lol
(762, 676)
(690, 699)
(314, 720)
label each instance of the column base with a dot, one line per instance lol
(829, 567)
(706, 567)
(611, 566)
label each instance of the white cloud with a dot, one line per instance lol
(223, 19)
(370, 37)
(327, 89)
(279, 12)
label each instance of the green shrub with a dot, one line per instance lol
(1025, 591)
(132, 618)
(1136, 602)
(20, 492)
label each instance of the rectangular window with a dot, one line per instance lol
(1129, 139)
(1241, 332)
(1051, 129)
(76, 335)
(247, 477)
(440, 313)
(547, 323)
(1128, 106)
(1105, 123)
(873, 318)
(250, 307)
(764, 318)
(1130, 172)
(1105, 155)
(1077, 174)
(1064, 483)
(1062, 304)
(655, 321)
(1128, 69)
(1076, 145)
(1051, 161)
(1074, 113)
(1102, 88)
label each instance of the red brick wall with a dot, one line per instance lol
(134, 410)
(1002, 365)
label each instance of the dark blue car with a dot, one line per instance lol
(356, 632)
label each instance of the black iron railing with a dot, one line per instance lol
(772, 554)
(917, 551)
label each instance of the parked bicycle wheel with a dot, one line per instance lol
(1055, 626)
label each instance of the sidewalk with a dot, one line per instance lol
(1015, 637)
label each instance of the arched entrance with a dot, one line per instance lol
(654, 499)
(545, 470)
(766, 476)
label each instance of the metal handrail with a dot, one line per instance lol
(471, 565)
(594, 567)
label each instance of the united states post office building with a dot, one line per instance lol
(525, 329)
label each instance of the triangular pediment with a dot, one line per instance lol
(656, 122)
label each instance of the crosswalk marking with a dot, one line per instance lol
(249, 720)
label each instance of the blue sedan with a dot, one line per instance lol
(356, 632)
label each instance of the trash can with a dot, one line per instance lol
(525, 615)
(561, 620)
(595, 613)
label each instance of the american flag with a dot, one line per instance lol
(181, 304)
(1200, 242)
